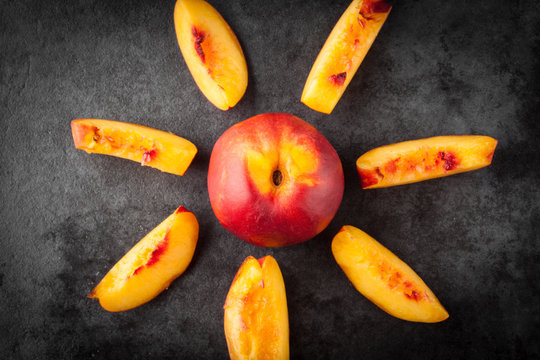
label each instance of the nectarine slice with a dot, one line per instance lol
(256, 319)
(384, 279)
(158, 149)
(343, 52)
(212, 52)
(417, 160)
(151, 265)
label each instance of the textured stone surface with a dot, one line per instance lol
(455, 67)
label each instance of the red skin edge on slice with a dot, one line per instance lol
(79, 131)
(371, 7)
(369, 177)
(198, 37)
(156, 254)
(92, 294)
(338, 79)
(181, 209)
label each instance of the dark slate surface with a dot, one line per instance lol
(452, 67)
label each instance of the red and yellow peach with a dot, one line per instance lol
(274, 180)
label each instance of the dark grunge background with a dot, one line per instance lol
(437, 68)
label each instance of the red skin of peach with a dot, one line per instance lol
(274, 219)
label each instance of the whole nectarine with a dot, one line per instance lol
(274, 180)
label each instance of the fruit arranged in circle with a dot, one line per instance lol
(384, 279)
(343, 52)
(151, 265)
(417, 160)
(158, 149)
(256, 320)
(274, 180)
(212, 52)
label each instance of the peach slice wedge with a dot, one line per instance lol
(211, 51)
(151, 265)
(158, 149)
(343, 52)
(256, 319)
(384, 279)
(417, 160)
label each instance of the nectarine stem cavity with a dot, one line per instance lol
(277, 177)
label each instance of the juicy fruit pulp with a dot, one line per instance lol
(417, 160)
(343, 52)
(151, 265)
(274, 180)
(384, 279)
(212, 52)
(150, 147)
(256, 319)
